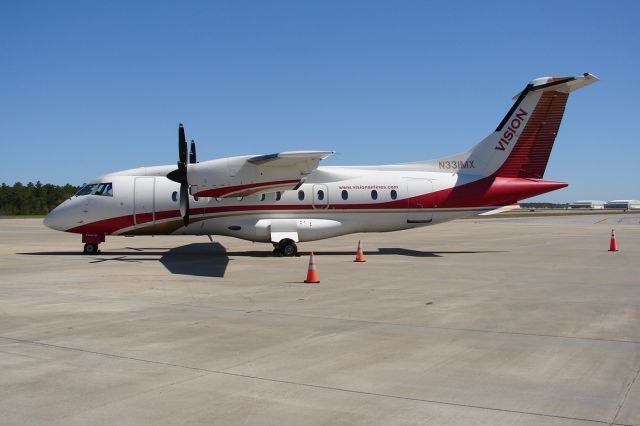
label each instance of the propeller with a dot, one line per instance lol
(192, 153)
(180, 174)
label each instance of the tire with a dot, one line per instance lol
(90, 249)
(288, 248)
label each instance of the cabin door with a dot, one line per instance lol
(143, 201)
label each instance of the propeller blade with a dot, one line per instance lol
(176, 176)
(192, 153)
(182, 145)
(180, 174)
(184, 203)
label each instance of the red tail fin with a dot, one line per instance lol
(530, 155)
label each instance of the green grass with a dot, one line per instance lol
(26, 216)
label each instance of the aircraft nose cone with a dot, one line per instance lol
(49, 220)
(54, 220)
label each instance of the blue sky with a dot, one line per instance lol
(92, 87)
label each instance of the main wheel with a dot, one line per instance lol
(288, 248)
(90, 248)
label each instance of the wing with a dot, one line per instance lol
(248, 175)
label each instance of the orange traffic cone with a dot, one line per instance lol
(312, 273)
(359, 254)
(613, 245)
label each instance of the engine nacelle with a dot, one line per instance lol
(237, 177)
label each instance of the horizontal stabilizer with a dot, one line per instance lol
(501, 210)
(560, 84)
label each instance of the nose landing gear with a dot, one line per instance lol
(90, 249)
(91, 243)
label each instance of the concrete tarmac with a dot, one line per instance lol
(523, 321)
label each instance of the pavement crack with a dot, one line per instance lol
(624, 398)
(302, 384)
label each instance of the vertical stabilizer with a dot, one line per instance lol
(521, 144)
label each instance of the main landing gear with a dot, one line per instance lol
(91, 243)
(286, 248)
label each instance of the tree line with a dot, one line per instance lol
(32, 198)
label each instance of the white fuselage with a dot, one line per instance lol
(333, 201)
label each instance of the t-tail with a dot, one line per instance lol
(509, 164)
(521, 144)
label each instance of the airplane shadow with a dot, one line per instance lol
(398, 251)
(382, 251)
(196, 259)
(211, 259)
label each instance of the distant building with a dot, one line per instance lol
(587, 204)
(623, 204)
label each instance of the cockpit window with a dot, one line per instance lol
(104, 189)
(87, 189)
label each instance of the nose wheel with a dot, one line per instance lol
(91, 243)
(90, 248)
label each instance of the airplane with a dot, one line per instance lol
(287, 198)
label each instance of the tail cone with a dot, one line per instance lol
(359, 254)
(312, 272)
(613, 245)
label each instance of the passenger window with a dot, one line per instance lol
(218, 199)
(262, 197)
(320, 194)
(174, 196)
(345, 194)
(278, 195)
(394, 194)
(239, 198)
(374, 194)
(301, 195)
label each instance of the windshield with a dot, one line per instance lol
(105, 189)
